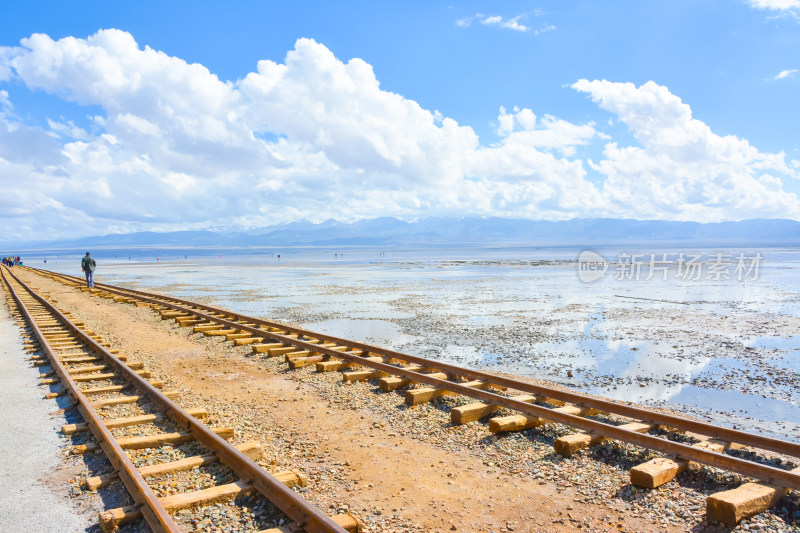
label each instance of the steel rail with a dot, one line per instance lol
(759, 471)
(748, 468)
(301, 512)
(154, 513)
(576, 398)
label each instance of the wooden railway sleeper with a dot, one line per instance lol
(113, 423)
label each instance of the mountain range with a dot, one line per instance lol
(392, 232)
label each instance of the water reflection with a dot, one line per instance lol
(377, 332)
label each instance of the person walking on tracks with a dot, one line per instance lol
(88, 265)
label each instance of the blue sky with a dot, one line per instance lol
(156, 116)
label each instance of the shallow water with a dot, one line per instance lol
(689, 343)
(376, 332)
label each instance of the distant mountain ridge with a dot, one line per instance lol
(390, 232)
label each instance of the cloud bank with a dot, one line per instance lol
(316, 137)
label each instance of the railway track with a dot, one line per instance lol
(683, 444)
(99, 381)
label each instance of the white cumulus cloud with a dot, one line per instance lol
(682, 170)
(776, 5)
(512, 23)
(522, 127)
(313, 136)
(785, 74)
(5, 103)
(779, 8)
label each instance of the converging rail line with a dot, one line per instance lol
(536, 405)
(97, 379)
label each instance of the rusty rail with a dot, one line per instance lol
(759, 471)
(301, 512)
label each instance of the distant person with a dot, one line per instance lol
(88, 265)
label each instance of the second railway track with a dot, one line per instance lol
(425, 380)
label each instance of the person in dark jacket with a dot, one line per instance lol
(88, 265)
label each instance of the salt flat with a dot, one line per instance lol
(719, 342)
